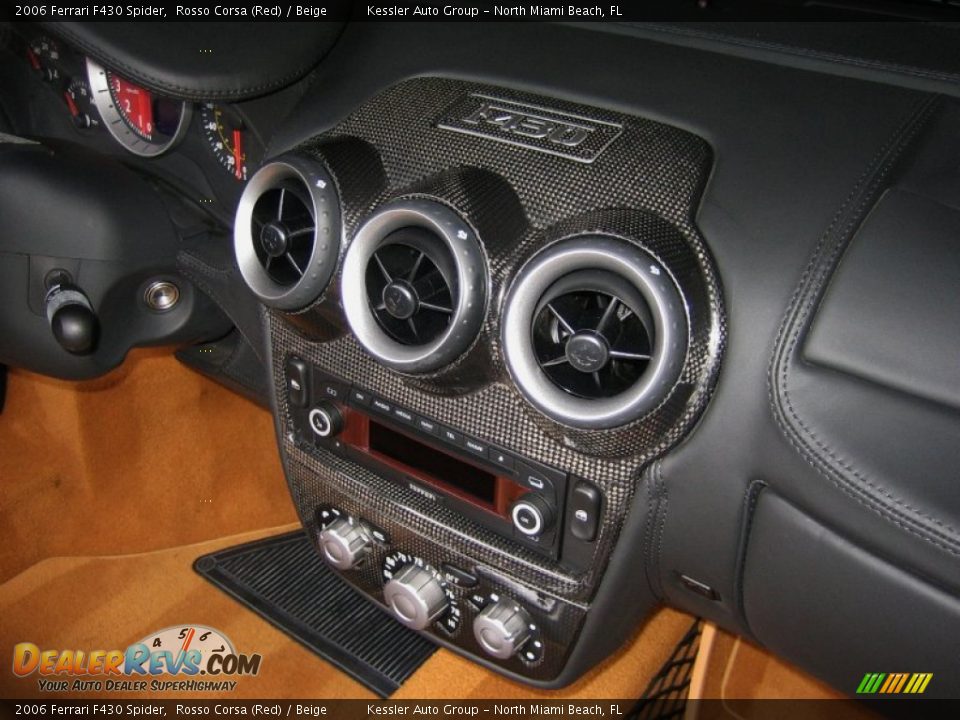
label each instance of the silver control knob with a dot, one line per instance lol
(415, 596)
(502, 629)
(343, 544)
(532, 515)
(325, 419)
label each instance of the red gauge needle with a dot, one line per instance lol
(71, 105)
(238, 154)
(186, 642)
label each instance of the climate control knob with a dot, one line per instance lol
(343, 543)
(502, 629)
(415, 596)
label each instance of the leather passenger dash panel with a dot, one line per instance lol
(889, 315)
(799, 573)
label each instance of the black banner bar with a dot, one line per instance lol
(463, 709)
(609, 11)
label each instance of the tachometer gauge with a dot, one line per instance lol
(232, 144)
(144, 123)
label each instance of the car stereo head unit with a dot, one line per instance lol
(514, 496)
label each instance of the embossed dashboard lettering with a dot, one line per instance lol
(532, 126)
(551, 131)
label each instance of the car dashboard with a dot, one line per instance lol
(557, 324)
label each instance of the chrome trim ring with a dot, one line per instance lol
(471, 291)
(667, 309)
(325, 208)
(117, 126)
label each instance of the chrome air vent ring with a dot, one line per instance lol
(287, 232)
(594, 332)
(415, 285)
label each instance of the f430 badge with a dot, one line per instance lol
(551, 131)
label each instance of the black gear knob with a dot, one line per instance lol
(72, 320)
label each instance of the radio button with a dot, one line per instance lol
(476, 447)
(404, 416)
(451, 436)
(535, 478)
(428, 426)
(327, 389)
(498, 457)
(381, 406)
(358, 397)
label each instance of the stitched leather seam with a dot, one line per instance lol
(750, 498)
(663, 505)
(650, 488)
(837, 58)
(804, 299)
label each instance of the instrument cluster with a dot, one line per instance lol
(101, 102)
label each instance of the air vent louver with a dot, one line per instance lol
(287, 232)
(591, 344)
(283, 232)
(414, 285)
(594, 332)
(411, 286)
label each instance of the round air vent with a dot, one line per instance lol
(415, 285)
(594, 332)
(287, 232)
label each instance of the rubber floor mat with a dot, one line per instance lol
(284, 580)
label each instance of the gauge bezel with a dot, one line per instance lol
(206, 111)
(118, 127)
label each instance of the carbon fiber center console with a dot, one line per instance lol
(511, 314)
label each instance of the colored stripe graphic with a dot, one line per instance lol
(886, 686)
(894, 683)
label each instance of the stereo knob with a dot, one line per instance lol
(325, 419)
(502, 629)
(343, 544)
(532, 515)
(415, 596)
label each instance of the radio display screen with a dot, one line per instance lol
(432, 462)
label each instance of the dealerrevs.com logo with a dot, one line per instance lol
(199, 657)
